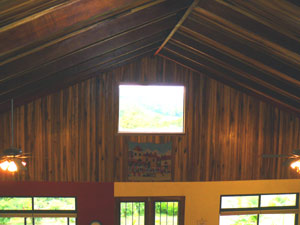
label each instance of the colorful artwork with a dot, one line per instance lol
(149, 162)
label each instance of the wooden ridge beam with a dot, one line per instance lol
(186, 14)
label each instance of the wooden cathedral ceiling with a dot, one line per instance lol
(47, 45)
(253, 46)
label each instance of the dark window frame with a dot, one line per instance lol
(261, 210)
(36, 213)
(259, 203)
(151, 84)
(150, 207)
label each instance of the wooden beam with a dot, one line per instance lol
(209, 67)
(52, 85)
(55, 20)
(244, 68)
(194, 66)
(256, 32)
(85, 37)
(23, 9)
(89, 58)
(186, 14)
(85, 70)
(278, 15)
(241, 48)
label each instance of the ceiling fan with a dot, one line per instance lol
(292, 159)
(12, 159)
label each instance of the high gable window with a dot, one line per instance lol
(151, 109)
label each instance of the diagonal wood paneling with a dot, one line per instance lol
(71, 134)
(252, 46)
(12, 11)
(100, 43)
(55, 21)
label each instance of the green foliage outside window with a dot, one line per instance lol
(166, 213)
(132, 213)
(54, 203)
(134, 118)
(15, 203)
(40, 203)
(151, 108)
(278, 200)
(239, 202)
(238, 220)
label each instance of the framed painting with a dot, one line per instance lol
(149, 162)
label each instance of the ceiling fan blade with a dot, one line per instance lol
(275, 156)
(23, 157)
(12, 151)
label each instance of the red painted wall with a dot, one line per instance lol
(95, 201)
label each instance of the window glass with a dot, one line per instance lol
(12, 221)
(17, 209)
(132, 213)
(151, 109)
(238, 220)
(72, 221)
(278, 200)
(29, 221)
(15, 203)
(239, 202)
(278, 219)
(51, 220)
(166, 213)
(54, 203)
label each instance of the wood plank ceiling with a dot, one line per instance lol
(253, 46)
(47, 45)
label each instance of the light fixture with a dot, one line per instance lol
(12, 159)
(9, 166)
(296, 166)
(4, 165)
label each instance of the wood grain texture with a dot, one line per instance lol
(12, 11)
(72, 136)
(132, 29)
(54, 20)
(250, 45)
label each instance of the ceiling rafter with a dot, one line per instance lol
(240, 45)
(129, 31)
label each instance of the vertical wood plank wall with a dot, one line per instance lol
(71, 134)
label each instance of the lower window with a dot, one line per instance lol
(146, 211)
(37, 221)
(259, 209)
(38, 210)
(261, 219)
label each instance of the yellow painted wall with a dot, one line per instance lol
(202, 199)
